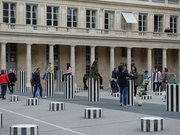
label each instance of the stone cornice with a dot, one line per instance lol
(87, 40)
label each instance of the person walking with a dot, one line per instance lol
(122, 76)
(12, 81)
(145, 80)
(37, 82)
(4, 80)
(165, 78)
(155, 80)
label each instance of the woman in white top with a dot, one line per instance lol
(68, 71)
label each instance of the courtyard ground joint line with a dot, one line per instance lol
(41, 121)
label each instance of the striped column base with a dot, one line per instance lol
(152, 124)
(56, 106)
(1, 120)
(146, 97)
(79, 88)
(158, 93)
(14, 98)
(24, 129)
(115, 94)
(32, 101)
(92, 113)
(76, 91)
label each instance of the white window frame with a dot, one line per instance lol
(92, 17)
(10, 11)
(158, 26)
(31, 14)
(109, 19)
(54, 12)
(143, 21)
(74, 13)
(174, 24)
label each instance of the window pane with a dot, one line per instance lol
(5, 5)
(69, 24)
(34, 21)
(49, 9)
(55, 23)
(88, 12)
(74, 24)
(87, 25)
(49, 22)
(5, 13)
(13, 20)
(5, 19)
(28, 21)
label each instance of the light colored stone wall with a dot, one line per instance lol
(104, 64)
(80, 63)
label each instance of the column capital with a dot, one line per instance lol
(29, 44)
(4, 43)
(73, 45)
(51, 44)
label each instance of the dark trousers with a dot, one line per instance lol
(3, 90)
(135, 90)
(65, 75)
(155, 86)
(36, 88)
(11, 87)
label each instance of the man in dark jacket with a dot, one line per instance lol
(37, 82)
(12, 81)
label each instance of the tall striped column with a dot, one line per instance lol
(173, 98)
(60, 83)
(131, 92)
(69, 87)
(1, 120)
(93, 90)
(23, 81)
(50, 84)
(24, 129)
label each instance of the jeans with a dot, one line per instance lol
(124, 95)
(3, 90)
(35, 89)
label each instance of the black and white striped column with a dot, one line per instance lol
(146, 97)
(173, 98)
(93, 90)
(158, 93)
(131, 93)
(57, 106)
(116, 94)
(69, 87)
(50, 84)
(1, 120)
(24, 129)
(152, 124)
(92, 113)
(14, 98)
(32, 101)
(23, 81)
(60, 83)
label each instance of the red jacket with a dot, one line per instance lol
(4, 79)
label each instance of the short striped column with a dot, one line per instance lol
(92, 113)
(32, 101)
(50, 84)
(173, 98)
(131, 93)
(24, 129)
(69, 87)
(115, 94)
(14, 98)
(1, 120)
(56, 106)
(152, 124)
(146, 97)
(59, 81)
(93, 90)
(23, 81)
(158, 93)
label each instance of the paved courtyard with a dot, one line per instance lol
(116, 120)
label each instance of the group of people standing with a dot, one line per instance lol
(7, 81)
(120, 76)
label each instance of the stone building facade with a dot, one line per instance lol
(35, 32)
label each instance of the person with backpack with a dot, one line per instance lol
(12, 81)
(4, 80)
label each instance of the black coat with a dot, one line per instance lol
(122, 78)
(12, 77)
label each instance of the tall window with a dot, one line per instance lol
(31, 14)
(173, 23)
(90, 18)
(72, 17)
(142, 22)
(52, 16)
(9, 13)
(158, 23)
(109, 20)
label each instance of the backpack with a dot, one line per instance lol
(114, 86)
